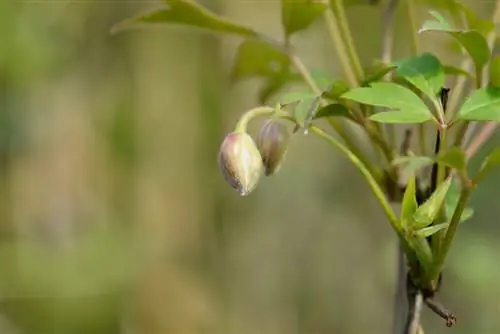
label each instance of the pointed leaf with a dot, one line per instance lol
(481, 105)
(455, 157)
(306, 109)
(453, 70)
(473, 41)
(483, 26)
(377, 72)
(428, 211)
(425, 72)
(400, 117)
(297, 15)
(428, 231)
(491, 161)
(187, 13)
(334, 110)
(389, 95)
(338, 88)
(409, 205)
(476, 46)
(256, 58)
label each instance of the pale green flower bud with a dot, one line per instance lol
(240, 162)
(273, 145)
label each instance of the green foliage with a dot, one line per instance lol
(411, 108)
(407, 91)
(409, 205)
(297, 15)
(472, 41)
(454, 157)
(481, 105)
(430, 230)
(425, 72)
(258, 59)
(187, 13)
(377, 72)
(428, 212)
(305, 110)
(334, 110)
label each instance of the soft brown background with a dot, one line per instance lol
(115, 219)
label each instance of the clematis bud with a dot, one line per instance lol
(273, 145)
(240, 162)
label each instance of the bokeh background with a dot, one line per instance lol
(114, 215)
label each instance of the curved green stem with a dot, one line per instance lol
(377, 191)
(242, 124)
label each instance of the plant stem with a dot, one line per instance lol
(387, 42)
(348, 58)
(410, 8)
(342, 54)
(450, 233)
(242, 124)
(379, 194)
(309, 80)
(339, 13)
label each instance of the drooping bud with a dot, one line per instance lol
(240, 162)
(273, 145)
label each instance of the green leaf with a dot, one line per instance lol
(305, 110)
(400, 117)
(474, 22)
(476, 46)
(377, 72)
(297, 15)
(187, 13)
(495, 72)
(338, 88)
(425, 72)
(481, 105)
(451, 202)
(409, 205)
(412, 163)
(455, 157)
(389, 95)
(453, 70)
(428, 231)
(427, 212)
(292, 97)
(334, 110)
(473, 41)
(256, 58)
(491, 161)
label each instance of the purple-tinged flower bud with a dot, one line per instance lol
(240, 162)
(273, 145)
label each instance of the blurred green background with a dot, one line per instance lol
(115, 218)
